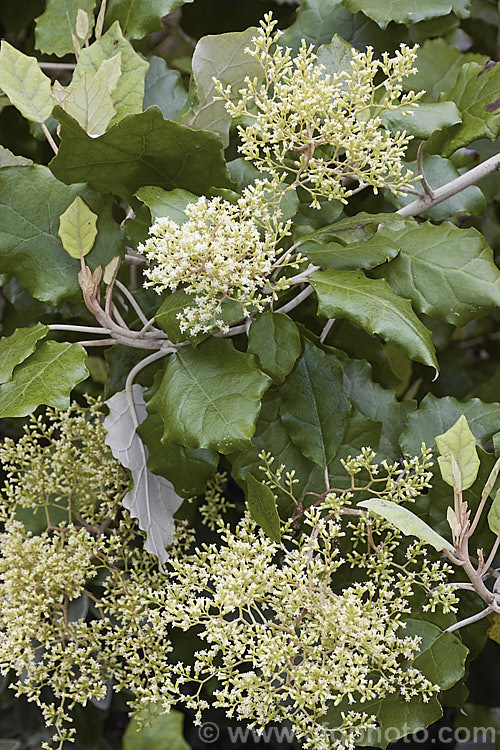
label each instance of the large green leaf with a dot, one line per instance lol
(31, 201)
(447, 272)
(377, 403)
(423, 120)
(476, 95)
(373, 306)
(439, 171)
(128, 93)
(407, 522)
(151, 730)
(356, 229)
(53, 29)
(317, 22)
(436, 415)
(441, 657)
(359, 433)
(169, 203)
(272, 436)
(223, 57)
(164, 88)
(138, 18)
(15, 348)
(210, 397)
(188, 469)
(24, 83)
(460, 443)
(336, 57)
(90, 103)
(438, 63)
(262, 507)
(314, 405)
(410, 11)
(367, 254)
(275, 340)
(46, 377)
(143, 149)
(8, 159)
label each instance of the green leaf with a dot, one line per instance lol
(164, 731)
(166, 316)
(24, 83)
(17, 347)
(447, 272)
(46, 377)
(408, 12)
(317, 22)
(138, 18)
(438, 63)
(53, 29)
(423, 120)
(8, 159)
(189, 469)
(377, 403)
(438, 172)
(210, 397)
(367, 254)
(78, 228)
(275, 340)
(436, 415)
(460, 443)
(128, 93)
(272, 436)
(90, 104)
(314, 405)
(262, 506)
(221, 56)
(357, 229)
(164, 88)
(441, 657)
(373, 306)
(143, 149)
(359, 432)
(494, 514)
(406, 521)
(169, 203)
(336, 56)
(31, 199)
(476, 95)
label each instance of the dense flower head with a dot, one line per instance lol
(223, 251)
(281, 641)
(324, 130)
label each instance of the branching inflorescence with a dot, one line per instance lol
(85, 609)
(309, 130)
(323, 131)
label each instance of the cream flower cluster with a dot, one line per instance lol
(84, 606)
(76, 551)
(223, 251)
(281, 642)
(322, 129)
